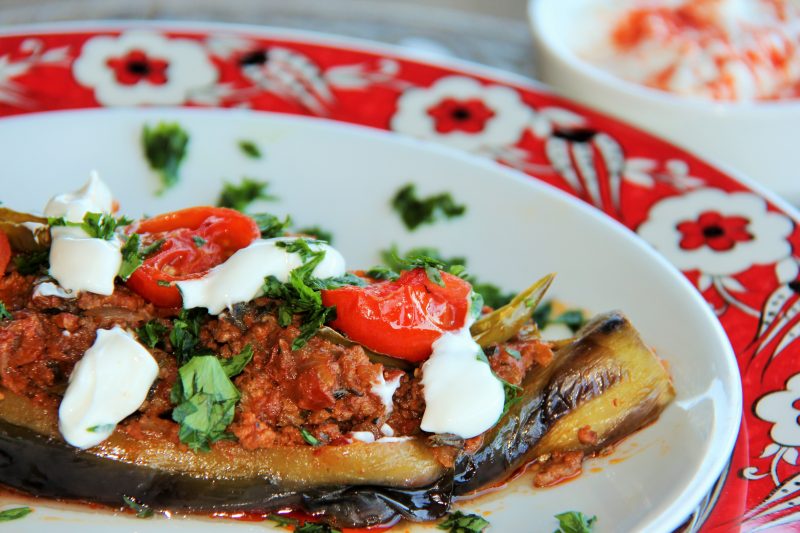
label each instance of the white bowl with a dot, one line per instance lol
(515, 229)
(759, 139)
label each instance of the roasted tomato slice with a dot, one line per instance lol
(5, 252)
(401, 318)
(195, 240)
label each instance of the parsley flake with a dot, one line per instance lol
(32, 262)
(417, 211)
(151, 333)
(574, 522)
(185, 334)
(205, 398)
(283, 521)
(318, 233)
(574, 319)
(270, 225)
(101, 428)
(250, 149)
(96, 225)
(4, 314)
(309, 438)
(313, 527)
(14, 514)
(459, 522)
(163, 283)
(198, 241)
(240, 196)
(133, 254)
(142, 510)
(165, 147)
(513, 353)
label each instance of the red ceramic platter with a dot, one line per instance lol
(737, 244)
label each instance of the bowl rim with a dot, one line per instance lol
(543, 39)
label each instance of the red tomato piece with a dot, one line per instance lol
(5, 252)
(195, 240)
(401, 318)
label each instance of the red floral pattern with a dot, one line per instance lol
(136, 67)
(620, 170)
(715, 231)
(469, 116)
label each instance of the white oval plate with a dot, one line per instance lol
(515, 230)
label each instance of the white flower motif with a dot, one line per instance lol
(143, 67)
(718, 233)
(778, 408)
(463, 113)
(645, 173)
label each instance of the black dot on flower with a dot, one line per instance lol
(795, 286)
(255, 57)
(713, 231)
(461, 114)
(140, 68)
(578, 135)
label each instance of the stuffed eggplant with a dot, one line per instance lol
(205, 363)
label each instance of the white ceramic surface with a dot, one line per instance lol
(515, 230)
(758, 139)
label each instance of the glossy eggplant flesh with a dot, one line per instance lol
(607, 379)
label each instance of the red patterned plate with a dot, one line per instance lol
(735, 243)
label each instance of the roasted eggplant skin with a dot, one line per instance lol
(607, 378)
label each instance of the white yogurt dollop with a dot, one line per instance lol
(462, 394)
(77, 261)
(241, 277)
(109, 383)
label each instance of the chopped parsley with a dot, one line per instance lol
(513, 353)
(313, 527)
(283, 521)
(133, 254)
(205, 398)
(459, 522)
(270, 225)
(574, 522)
(96, 225)
(14, 514)
(198, 241)
(513, 393)
(32, 262)
(492, 295)
(318, 233)
(163, 283)
(151, 333)
(142, 510)
(250, 149)
(185, 334)
(4, 314)
(574, 319)
(298, 296)
(165, 146)
(240, 196)
(309, 438)
(416, 211)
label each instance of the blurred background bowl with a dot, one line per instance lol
(759, 139)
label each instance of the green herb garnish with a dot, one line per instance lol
(250, 149)
(240, 196)
(205, 398)
(133, 254)
(416, 211)
(318, 233)
(163, 283)
(151, 333)
(575, 522)
(142, 510)
(165, 147)
(14, 514)
(4, 314)
(283, 521)
(513, 353)
(101, 428)
(270, 225)
(313, 527)
(574, 319)
(198, 241)
(32, 262)
(298, 296)
(185, 334)
(96, 225)
(459, 522)
(309, 438)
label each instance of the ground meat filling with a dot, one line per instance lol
(322, 389)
